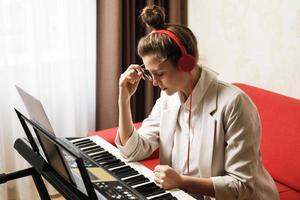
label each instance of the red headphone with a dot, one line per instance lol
(186, 62)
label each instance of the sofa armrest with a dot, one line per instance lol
(110, 134)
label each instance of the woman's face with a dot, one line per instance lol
(164, 74)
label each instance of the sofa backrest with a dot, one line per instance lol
(280, 147)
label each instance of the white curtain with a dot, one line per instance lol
(48, 48)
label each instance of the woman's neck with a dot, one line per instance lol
(192, 80)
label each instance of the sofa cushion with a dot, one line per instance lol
(289, 195)
(110, 133)
(280, 147)
(150, 163)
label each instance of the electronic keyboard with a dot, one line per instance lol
(114, 178)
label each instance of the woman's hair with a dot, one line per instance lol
(161, 45)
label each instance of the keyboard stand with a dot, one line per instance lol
(39, 184)
(42, 168)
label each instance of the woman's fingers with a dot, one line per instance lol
(158, 180)
(159, 175)
(131, 75)
(166, 177)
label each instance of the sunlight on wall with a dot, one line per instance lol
(254, 42)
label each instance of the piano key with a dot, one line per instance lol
(115, 160)
(85, 149)
(86, 144)
(101, 155)
(141, 184)
(149, 189)
(137, 182)
(126, 172)
(107, 158)
(92, 151)
(122, 175)
(121, 168)
(141, 187)
(155, 192)
(80, 140)
(135, 178)
(128, 177)
(114, 164)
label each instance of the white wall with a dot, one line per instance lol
(254, 42)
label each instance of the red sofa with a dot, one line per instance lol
(280, 147)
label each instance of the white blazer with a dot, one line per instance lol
(228, 148)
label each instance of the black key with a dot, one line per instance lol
(135, 179)
(93, 150)
(144, 187)
(86, 144)
(127, 174)
(81, 141)
(107, 158)
(114, 164)
(138, 182)
(101, 155)
(155, 192)
(122, 168)
(149, 189)
(115, 160)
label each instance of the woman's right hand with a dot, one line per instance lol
(129, 81)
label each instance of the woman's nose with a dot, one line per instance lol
(154, 81)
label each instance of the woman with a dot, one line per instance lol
(208, 131)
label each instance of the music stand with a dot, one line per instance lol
(31, 152)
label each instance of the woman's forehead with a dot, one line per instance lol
(152, 60)
(153, 63)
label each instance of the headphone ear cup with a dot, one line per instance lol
(186, 63)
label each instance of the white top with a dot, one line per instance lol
(181, 135)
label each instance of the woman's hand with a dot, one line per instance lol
(129, 81)
(166, 177)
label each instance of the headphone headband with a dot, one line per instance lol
(175, 39)
(186, 62)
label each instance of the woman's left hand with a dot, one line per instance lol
(166, 177)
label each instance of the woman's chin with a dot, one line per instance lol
(168, 92)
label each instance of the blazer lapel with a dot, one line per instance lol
(207, 137)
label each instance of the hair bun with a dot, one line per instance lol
(153, 16)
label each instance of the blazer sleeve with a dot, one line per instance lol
(144, 141)
(242, 140)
